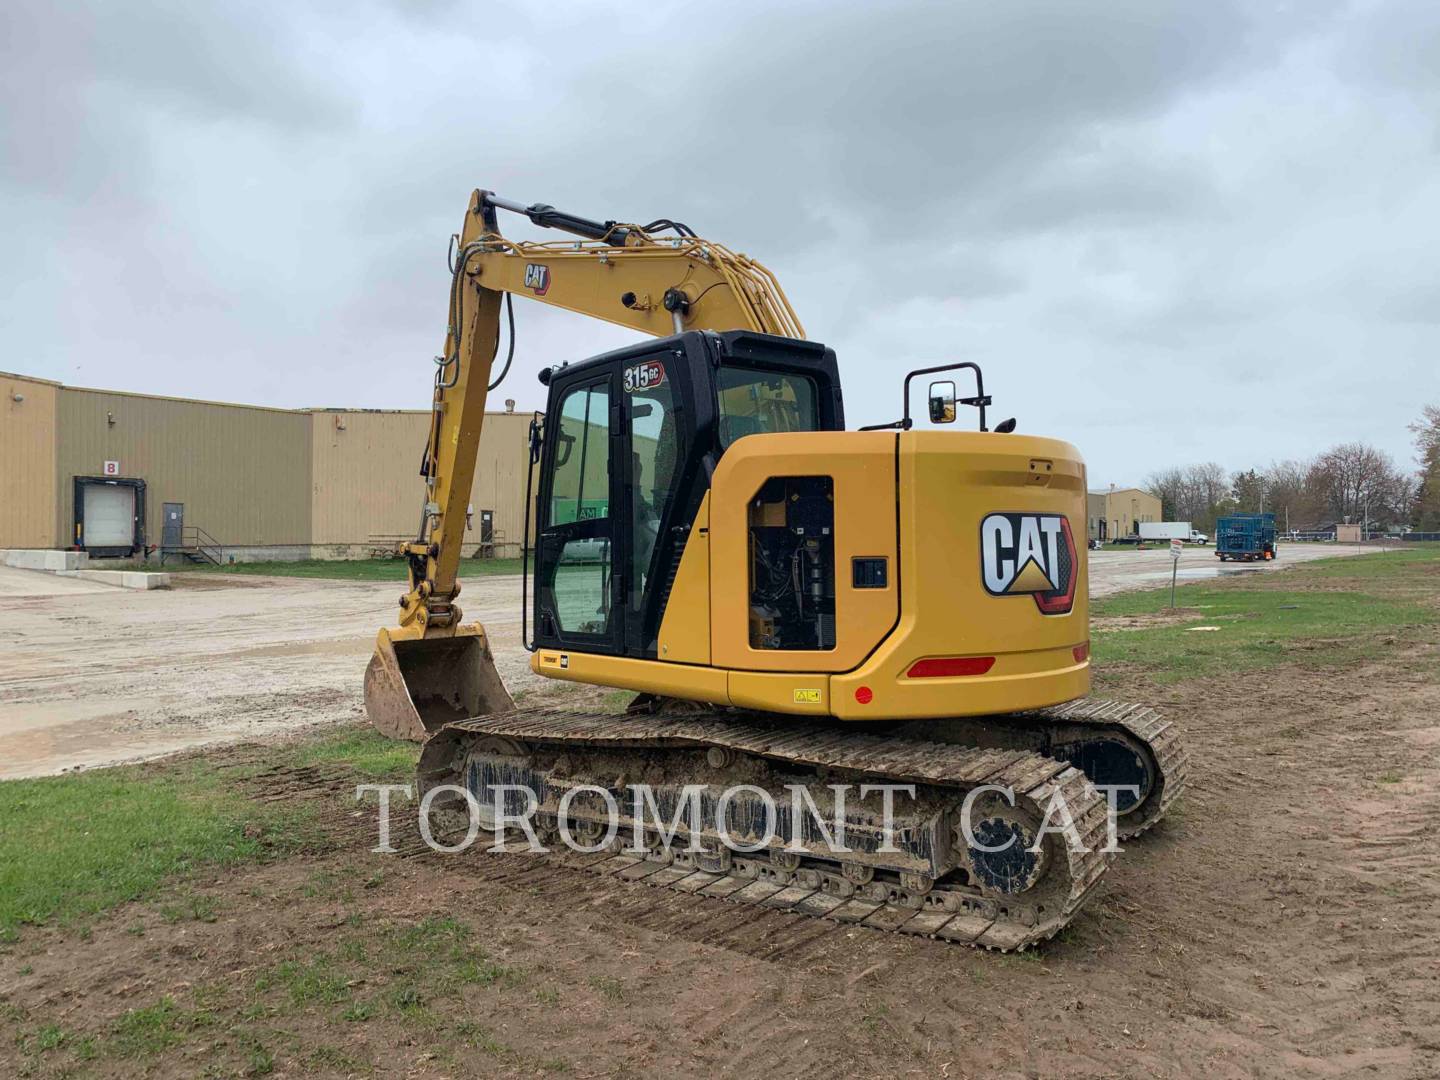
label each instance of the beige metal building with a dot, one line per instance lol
(118, 473)
(1118, 512)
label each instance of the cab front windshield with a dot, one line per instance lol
(754, 402)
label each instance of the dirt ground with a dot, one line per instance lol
(96, 675)
(1285, 922)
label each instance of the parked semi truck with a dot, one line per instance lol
(1172, 530)
(1245, 537)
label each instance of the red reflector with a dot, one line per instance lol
(864, 695)
(942, 666)
(1082, 652)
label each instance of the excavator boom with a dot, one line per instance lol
(432, 667)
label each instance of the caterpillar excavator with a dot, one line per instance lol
(796, 606)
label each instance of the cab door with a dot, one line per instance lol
(578, 592)
(663, 485)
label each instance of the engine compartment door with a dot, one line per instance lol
(803, 550)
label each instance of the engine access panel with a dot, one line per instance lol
(790, 514)
(792, 564)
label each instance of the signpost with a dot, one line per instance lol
(1176, 547)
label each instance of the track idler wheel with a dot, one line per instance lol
(1113, 760)
(1000, 861)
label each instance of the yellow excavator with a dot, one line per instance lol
(795, 605)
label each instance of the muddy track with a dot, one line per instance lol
(771, 934)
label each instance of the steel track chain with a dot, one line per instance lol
(960, 914)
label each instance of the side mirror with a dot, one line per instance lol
(942, 402)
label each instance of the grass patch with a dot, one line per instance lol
(1412, 569)
(191, 908)
(42, 1040)
(307, 983)
(362, 749)
(152, 1030)
(353, 569)
(478, 1037)
(335, 1059)
(1354, 609)
(607, 986)
(259, 1061)
(359, 1012)
(403, 970)
(74, 846)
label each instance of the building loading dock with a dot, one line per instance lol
(1116, 512)
(122, 474)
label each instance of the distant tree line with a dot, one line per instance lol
(1348, 482)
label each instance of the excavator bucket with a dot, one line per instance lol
(415, 685)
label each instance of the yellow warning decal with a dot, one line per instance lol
(807, 697)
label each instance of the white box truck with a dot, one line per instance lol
(1171, 530)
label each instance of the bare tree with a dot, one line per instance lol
(1287, 493)
(1425, 504)
(1167, 486)
(1346, 483)
(1358, 482)
(1195, 493)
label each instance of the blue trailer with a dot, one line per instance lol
(1245, 537)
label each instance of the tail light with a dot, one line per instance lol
(941, 667)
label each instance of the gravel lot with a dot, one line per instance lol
(1113, 571)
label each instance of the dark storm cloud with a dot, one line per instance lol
(1114, 205)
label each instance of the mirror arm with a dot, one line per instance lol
(981, 399)
(899, 425)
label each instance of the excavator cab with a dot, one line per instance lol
(632, 438)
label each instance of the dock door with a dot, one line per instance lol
(109, 515)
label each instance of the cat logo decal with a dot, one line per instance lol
(1030, 555)
(537, 278)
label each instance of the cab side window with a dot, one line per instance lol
(580, 511)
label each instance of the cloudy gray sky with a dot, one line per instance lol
(1171, 231)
